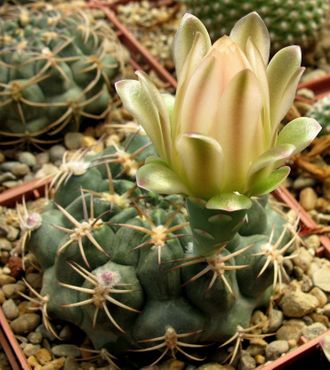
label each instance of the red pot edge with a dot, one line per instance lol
(290, 357)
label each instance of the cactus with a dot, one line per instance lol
(289, 22)
(56, 71)
(137, 270)
(321, 112)
(124, 265)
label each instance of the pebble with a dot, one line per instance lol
(25, 323)
(46, 169)
(71, 364)
(42, 158)
(6, 279)
(320, 296)
(260, 359)
(314, 330)
(66, 333)
(326, 189)
(11, 184)
(275, 349)
(255, 349)
(10, 309)
(302, 259)
(6, 176)
(2, 296)
(27, 158)
(215, 366)
(56, 364)
(34, 279)
(31, 349)
(313, 242)
(276, 320)
(291, 330)
(35, 337)
(298, 304)
(306, 284)
(56, 153)
(325, 310)
(321, 278)
(303, 182)
(319, 317)
(247, 362)
(73, 140)
(43, 356)
(308, 198)
(12, 290)
(66, 350)
(172, 364)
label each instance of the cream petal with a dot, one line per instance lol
(282, 71)
(288, 97)
(202, 163)
(252, 26)
(164, 117)
(184, 40)
(196, 112)
(259, 69)
(236, 128)
(300, 132)
(140, 105)
(156, 176)
(267, 182)
(273, 158)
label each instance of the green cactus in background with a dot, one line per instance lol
(56, 70)
(289, 22)
(321, 112)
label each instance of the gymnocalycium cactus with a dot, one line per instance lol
(57, 69)
(130, 267)
(321, 112)
(290, 22)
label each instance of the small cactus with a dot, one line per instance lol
(321, 112)
(289, 22)
(56, 71)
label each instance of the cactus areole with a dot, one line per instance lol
(178, 264)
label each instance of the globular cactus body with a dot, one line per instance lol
(56, 71)
(126, 267)
(289, 22)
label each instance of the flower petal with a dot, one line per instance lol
(142, 108)
(237, 128)
(202, 163)
(269, 182)
(272, 158)
(283, 73)
(164, 118)
(184, 40)
(252, 26)
(259, 69)
(300, 132)
(157, 177)
(229, 202)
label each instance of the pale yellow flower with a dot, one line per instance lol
(219, 138)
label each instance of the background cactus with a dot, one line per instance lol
(321, 112)
(124, 265)
(289, 22)
(56, 70)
